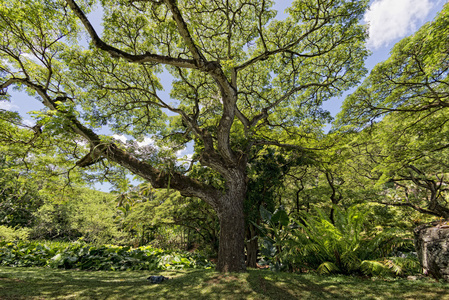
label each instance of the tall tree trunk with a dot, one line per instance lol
(252, 247)
(231, 254)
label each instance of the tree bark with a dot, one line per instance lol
(231, 251)
(252, 247)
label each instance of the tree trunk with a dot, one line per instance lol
(252, 247)
(231, 254)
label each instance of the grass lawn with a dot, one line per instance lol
(45, 283)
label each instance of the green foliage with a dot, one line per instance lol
(79, 212)
(400, 164)
(165, 219)
(88, 257)
(274, 233)
(9, 234)
(19, 196)
(349, 246)
(267, 171)
(397, 119)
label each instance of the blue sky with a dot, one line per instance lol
(389, 20)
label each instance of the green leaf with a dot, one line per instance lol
(265, 214)
(280, 216)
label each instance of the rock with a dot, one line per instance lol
(157, 279)
(432, 246)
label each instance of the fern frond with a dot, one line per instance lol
(394, 267)
(402, 265)
(327, 268)
(373, 267)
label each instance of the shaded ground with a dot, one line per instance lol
(44, 283)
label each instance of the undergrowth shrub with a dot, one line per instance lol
(349, 247)
(346, 246)
(89, 257)
(9, 234)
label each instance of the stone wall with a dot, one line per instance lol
(432, 247)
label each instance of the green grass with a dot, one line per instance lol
(46, 283)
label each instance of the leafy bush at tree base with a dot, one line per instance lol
(88, 257)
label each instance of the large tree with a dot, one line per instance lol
(241, 79)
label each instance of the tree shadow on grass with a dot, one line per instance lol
(72, 284)
(299, 286)
(269, 288)
(41, 283)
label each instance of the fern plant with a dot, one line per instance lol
(346, 246)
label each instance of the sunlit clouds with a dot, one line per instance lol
(121, 138)
(393, 19)
(7, 105)
(146, 141)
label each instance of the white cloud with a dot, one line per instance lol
(29, 123)
(184, 157)
(179, 153)
(146, 141)
(393, 19)
(120, 137)
(7, 105)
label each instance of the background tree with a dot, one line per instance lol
(266, 176)
(413, 82)
(401, 113)
(146, 214)
(77, 213)
(400, 168)
(241, 79)
(31, 168)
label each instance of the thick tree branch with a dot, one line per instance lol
(199, 62)
(99, 149)
(227, 91)
(115, 52)
(184, 31)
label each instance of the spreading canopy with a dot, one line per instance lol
(413, 82)
(399, 117)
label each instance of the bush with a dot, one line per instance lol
(9, 234)
(345, 247)
(89, 257)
